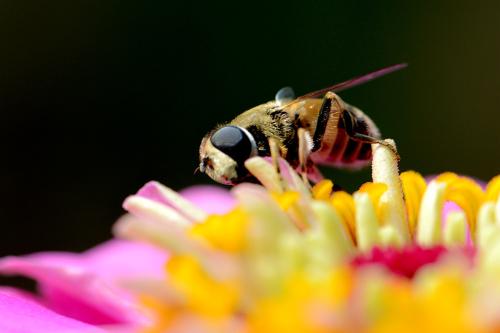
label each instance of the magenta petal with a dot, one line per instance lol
(101, 303)
(121, 260)
(151, 191)
(87, 286)
(212, 199)
(21, 313)
(209, 198)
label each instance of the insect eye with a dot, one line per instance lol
(234, 142)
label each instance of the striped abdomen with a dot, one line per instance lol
(340, 150)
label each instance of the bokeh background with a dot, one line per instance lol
(98, 97)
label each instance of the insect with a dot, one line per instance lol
(336, 133)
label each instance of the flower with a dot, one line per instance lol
(399, 255)
(92, 291)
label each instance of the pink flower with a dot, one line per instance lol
(90, 291)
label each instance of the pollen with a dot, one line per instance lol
(223, 232)
(344, 205)
(493, 189)
(163, 313)
(414, 187)
(375, 192)
(203, 294)
(322, 190)
(287, 199)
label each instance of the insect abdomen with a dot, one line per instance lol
(346, 151)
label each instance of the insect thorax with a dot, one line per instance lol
(265, 122)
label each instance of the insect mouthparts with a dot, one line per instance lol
(203, 165)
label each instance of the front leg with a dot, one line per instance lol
(306, 167)
(349, 122)
(331, 100)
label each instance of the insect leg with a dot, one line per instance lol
(304, 151)
(368, 139)
(275, 155)
(351, 126)
(323, 117)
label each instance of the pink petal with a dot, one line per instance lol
(21, 313)
(212, 199)
(74, 291)
(87, 286)
(151, 191)
(119, 260)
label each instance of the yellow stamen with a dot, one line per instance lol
(490, 259)
(454, 231)
(375, 191)
(162, 312)
(265, 172)
(322, 190)
(429, 218)
(286, 199)
(446, 177)
(344, 205)
(292, 311)
(497, 212)
(465, 193)
(367, 229)
(488, 235)
(493, 189)
(202, 293)
(486, 225)
(413, 188)
(223, 232)
(385, 170)
(388, 236)
(331, 233)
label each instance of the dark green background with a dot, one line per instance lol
(98, 97)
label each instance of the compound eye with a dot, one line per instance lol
(234, 142)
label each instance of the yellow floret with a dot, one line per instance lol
(224, 232)
(322, 190)
(414, 187)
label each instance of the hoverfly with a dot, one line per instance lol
(337, 134)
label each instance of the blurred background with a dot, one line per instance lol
(98, 97)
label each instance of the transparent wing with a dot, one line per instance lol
(355, 81)
(284, 96)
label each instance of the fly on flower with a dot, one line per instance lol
(307, 130)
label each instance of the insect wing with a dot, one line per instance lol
(284, 96)
(355, 81)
